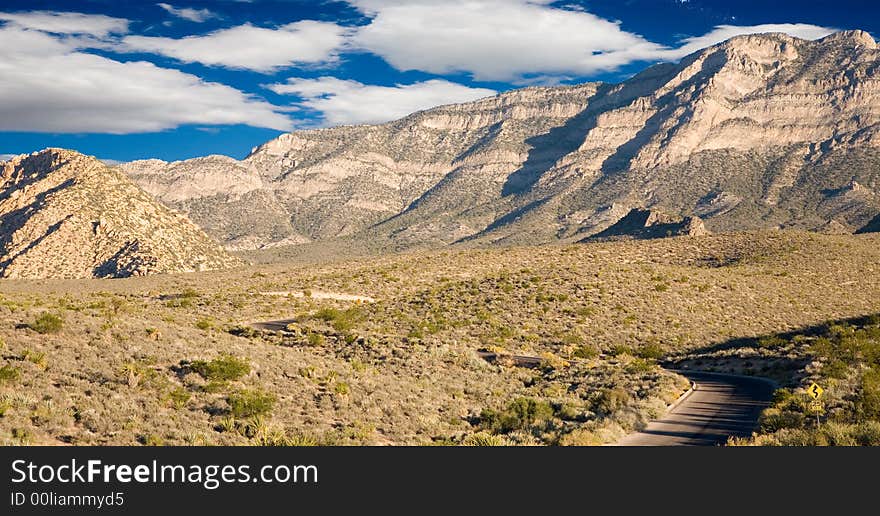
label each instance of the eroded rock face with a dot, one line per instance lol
(759, 131)
(641, 224)
(65, 215)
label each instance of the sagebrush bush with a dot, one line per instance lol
(250, 403)
(609, 401)
(868, 398)
(521, 414)
(9, 373)
(224, 368)
(47, 323)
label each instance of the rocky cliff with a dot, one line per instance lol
(759, 131)
(643, 224)
(65, 215)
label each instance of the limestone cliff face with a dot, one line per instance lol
(65, 215)
(759, 131)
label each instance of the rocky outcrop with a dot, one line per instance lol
(761, 131)
(65, 215)
(641, 224)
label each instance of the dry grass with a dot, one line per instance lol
(404, 370)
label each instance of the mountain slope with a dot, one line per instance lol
(761, 131)
(65, 215)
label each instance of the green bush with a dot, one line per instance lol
(484, 439)
(340, 320)
(9, 373)
(47, 323)
(609, 401)
(586, 352)
(223, 368)
(774, 419)
(205, 324)
(868, 400)
(651, 352)
(250, 403)
(521, 414)
(867, 433)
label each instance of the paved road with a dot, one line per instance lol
(720, 407)
(272, 325)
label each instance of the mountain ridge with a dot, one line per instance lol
(756, 132)
(66, 215)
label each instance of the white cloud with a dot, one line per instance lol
(193, 15)
(7, 157)
(249, 47)
(725, 32)
(350, 102)
(495, 39)
(508, 40)
(67, 23)
(48, 86)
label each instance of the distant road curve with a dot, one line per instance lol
(722, 406)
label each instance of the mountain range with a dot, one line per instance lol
(761, 131)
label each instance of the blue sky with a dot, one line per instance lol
(183, 78)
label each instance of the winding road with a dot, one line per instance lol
(720, 407)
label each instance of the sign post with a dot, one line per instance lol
(816, 406)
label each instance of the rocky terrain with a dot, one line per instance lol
(65, 215)
(761, 131)
(646, 224)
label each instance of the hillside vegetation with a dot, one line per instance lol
(172, 359)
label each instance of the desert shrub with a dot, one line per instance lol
(9, 373)
(651, 352)
(316, 339)
(520, 414)
(609, 401)
(151, 440)
(38, 358)
(250, 402)
(135, 373)
(302, 439)
(772, 341)
(620, 349)
(835, 369)
(836, 434)
(179, 397)
(243, 331)
(639, 366)
(573, 339)
(868, 398)
(340, 320)
(484, 439)
(189, 293)
(586, 352)
(47, 323)
(205, 324)
(223, 368)
(867, 433)
(580, 437)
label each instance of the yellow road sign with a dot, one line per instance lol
(815, 391)
(817, 406)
